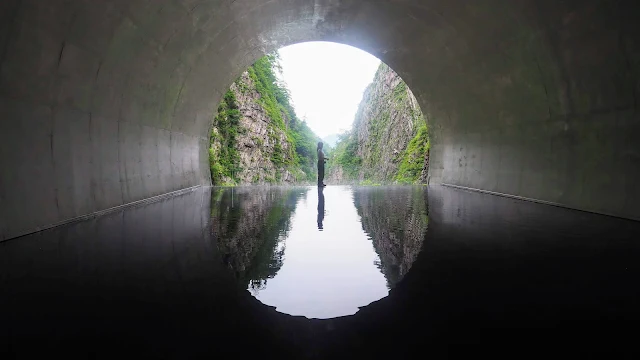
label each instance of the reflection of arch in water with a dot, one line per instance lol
(249, 230)
(396, 219)
(149, 277)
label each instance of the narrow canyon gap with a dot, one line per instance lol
(105, 103)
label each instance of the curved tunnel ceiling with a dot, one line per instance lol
(109, 102)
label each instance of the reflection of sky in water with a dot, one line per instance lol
(325, 273)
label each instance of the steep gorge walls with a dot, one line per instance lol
(257, 137)
(389, 141)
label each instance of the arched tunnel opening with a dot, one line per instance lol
(106, 108)
(356, 109)
(346, 245)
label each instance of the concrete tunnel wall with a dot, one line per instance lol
(106, 102)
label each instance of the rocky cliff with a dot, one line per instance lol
(256, 136)
(257, 140)
(389, 139)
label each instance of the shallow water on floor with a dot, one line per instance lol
(187, 275)
(319, 253)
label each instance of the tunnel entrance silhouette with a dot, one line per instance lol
(105, 103)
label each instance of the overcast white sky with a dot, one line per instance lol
(326, 81)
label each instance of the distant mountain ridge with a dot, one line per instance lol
(331, 140)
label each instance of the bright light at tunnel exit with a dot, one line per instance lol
(327, 81)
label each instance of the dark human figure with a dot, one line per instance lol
(320, 207)
(321, 161)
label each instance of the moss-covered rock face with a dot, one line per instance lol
(389, 141)
(256, 136)
(415, 159)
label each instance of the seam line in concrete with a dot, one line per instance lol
(544, 202)
(106, 211)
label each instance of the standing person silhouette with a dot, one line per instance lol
(321, 161)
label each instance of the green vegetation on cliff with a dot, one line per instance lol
(225, 159)
(274, 96)
(292, 142)
(345, 156)
(413, 158)
(276, 100)
(389, 142)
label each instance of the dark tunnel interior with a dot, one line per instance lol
(105, 114)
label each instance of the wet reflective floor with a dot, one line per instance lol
(487, 275)
(319, 253)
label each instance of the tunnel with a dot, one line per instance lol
(107, 103)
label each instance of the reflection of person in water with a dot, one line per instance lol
(320, 207)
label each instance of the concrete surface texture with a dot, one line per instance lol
(105, 102)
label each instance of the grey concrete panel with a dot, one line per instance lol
(72, 162)
(108, 90)
(169, 97)
(177, 146)
(203, 152)
(95, 30)
(529, 98)
(629, 126)
(30, 64)
(164, 159)
(105, 175)
(489, 160)
(26, 158)
(131, 161)
(81, 155)
(77, 71)
(150, 167)
(8, 11)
